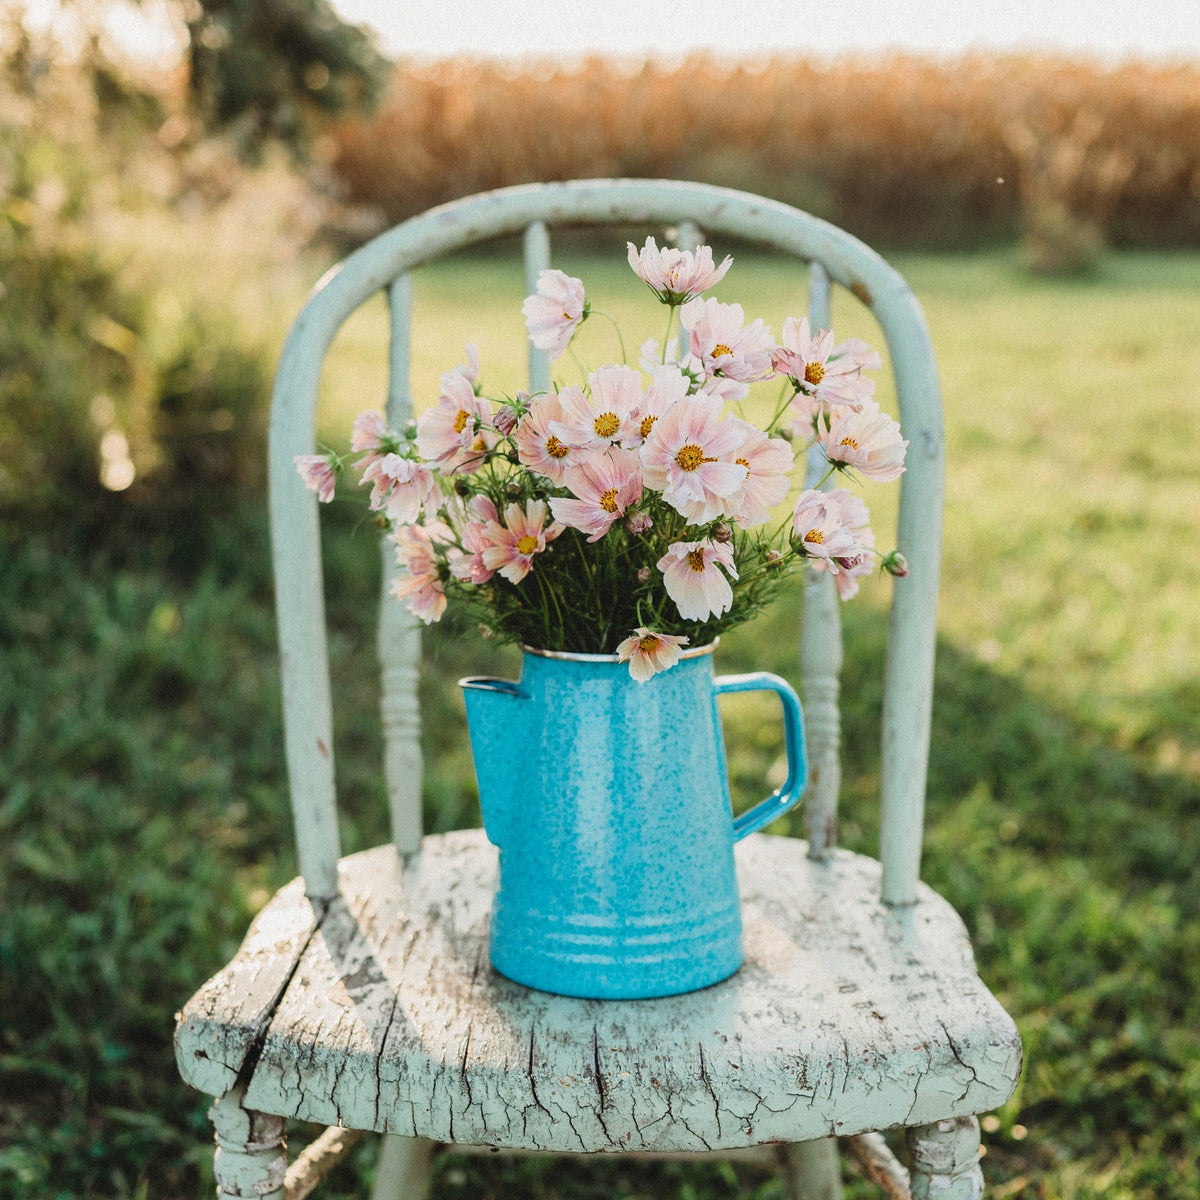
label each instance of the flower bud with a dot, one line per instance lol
(506, 421)
(638, 523)
(643, 575)
(486, 631)
(772, 557)
(895, 564)
(722, 532)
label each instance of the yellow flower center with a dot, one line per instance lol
(743, 462)
(849, 441)
(814, 372)
(647, 643)
(646, 425)
(461, 419)
(606, 424)
(608, 500)
(555, 448)
(527, 544)
(690, 457)
(719, 349)
(695, 559)
(815, 536)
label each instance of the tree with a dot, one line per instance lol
(259, 71)
(270, 69)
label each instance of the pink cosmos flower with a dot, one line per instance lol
(469, 566)
(647, 652)
(869, 441)
(319, 472)
(606, 416)
(506, 420)
(470, 369)
(822, 373)
(513, 544)
(553, 312)
(689, 457)
(828, 527)
(420, 586)
(370, 434)
(693, 579)
(676, 275)
(604, 487)
(402, 486)
(849, 567)
(668, 387)
(768, 462)
(651, 358)
(538, 446)
(728, 348)
(649, 355)
(453, 432)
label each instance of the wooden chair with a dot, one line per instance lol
(362, 998)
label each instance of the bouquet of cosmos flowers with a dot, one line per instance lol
(637, 510)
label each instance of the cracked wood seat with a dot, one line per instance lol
(362, 996)
(847, 1016)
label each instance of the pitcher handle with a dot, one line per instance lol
(786, 796)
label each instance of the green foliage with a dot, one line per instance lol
(588, 598)
(268, 69)
(101, 387)
(142, 804)
(52, 368)
(143, 810)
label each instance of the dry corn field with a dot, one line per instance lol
(903, 151)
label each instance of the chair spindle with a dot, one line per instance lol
(399, 631)
(821, 653)
(537, 258)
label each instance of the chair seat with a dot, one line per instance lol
(381, 1012)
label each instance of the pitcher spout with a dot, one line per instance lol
(490, 721)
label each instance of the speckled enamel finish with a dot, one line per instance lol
(609, 802)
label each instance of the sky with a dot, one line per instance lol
(1111, 30)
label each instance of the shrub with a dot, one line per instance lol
(99, 394)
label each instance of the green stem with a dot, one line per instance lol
(833, 470)
(577, 361)
(621, 341)
(667, 335)
(787, 400)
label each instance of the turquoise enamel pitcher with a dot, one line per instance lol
(609, 802)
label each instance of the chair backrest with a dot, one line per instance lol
(384, 265)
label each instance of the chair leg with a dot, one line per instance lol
(251, 1157)
(944, 1159)
(403, 1171)
(812, 1170)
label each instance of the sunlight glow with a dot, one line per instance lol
(1115, 29)
(147, 34)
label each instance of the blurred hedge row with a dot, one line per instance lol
(130, 378)
(903, 151)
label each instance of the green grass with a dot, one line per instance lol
(143, 811)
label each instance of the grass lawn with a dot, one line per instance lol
(143, 812)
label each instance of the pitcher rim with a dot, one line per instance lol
(574, 656)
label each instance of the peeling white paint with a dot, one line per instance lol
(848, 1016)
